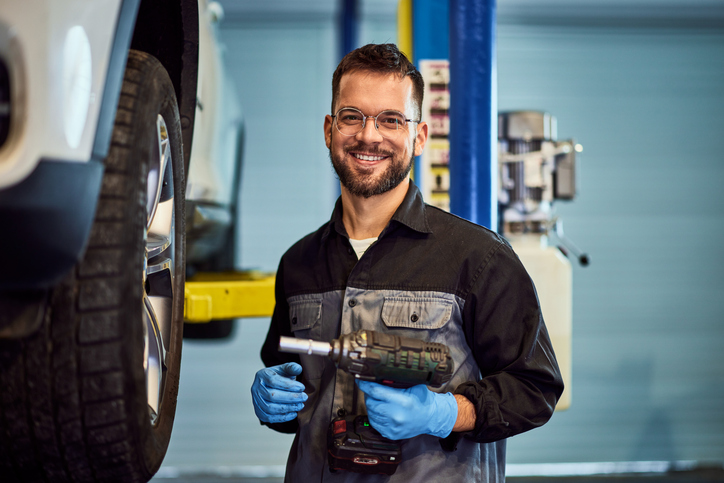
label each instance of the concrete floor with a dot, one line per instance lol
(215, 479)
(697, 476)
(601, 479)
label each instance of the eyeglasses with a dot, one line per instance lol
(389, 124)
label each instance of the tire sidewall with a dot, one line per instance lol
(158, 97)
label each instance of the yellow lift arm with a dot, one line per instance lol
(228, 295)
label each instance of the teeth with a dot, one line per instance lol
(369, 158)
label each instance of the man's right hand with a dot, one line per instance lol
(276, 394)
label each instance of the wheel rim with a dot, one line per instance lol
(158, 273)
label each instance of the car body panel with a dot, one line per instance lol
(218, 120)
(57, 76)
(49, 215)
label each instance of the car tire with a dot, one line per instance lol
(91, 396)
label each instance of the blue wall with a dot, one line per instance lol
(648, 314)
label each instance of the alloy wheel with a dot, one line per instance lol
(158, 275)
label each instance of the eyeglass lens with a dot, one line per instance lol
(352, 121)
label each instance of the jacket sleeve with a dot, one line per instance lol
(270, 354)
(503, 324)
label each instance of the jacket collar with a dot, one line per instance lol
(411, 213)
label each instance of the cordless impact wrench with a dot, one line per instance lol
(387, 359)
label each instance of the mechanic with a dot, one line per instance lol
(386, 261)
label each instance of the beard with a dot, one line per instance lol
(359, 181)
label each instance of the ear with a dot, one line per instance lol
(328, 130)
(421, 138)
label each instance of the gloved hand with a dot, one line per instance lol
(276, 394)
(404, 413)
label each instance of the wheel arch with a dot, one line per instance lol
(168, 30)
(175, 43)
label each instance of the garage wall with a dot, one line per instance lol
(646, 103)
(648, 314)
(287, 182)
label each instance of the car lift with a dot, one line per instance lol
(228, 295)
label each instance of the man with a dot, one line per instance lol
(388, 262)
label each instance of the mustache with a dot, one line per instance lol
(375, 151)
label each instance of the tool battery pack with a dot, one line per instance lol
(354, 445)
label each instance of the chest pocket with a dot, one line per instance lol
(305, 314)
(416, 312)
(305, 319)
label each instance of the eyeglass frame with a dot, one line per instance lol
(365, 117)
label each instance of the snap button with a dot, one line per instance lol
(352, 303)
(414, 318)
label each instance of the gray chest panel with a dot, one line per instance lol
(426, 315)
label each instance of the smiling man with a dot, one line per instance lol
(388, 262)
(373, 158)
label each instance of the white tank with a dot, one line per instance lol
(552, 276)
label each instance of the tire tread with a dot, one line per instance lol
(78, 425)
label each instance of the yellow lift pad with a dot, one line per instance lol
(228, 295)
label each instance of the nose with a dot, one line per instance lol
(369, 132)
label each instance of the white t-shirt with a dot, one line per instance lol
(361, 246)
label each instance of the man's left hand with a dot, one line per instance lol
(404, 413)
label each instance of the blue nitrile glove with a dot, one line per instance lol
(276, 394)
(404, 413)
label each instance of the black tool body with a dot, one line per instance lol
(401, 362)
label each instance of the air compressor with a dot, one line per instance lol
(536, 170)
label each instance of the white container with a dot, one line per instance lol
(551, 273)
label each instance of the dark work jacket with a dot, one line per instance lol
(431, 276)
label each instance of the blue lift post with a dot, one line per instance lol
(473, 112)
(348, 27)
(430, 39)
(463, 31)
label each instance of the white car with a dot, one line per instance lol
(120, 143)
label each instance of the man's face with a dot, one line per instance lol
(367, 163)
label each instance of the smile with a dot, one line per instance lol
(365, 157)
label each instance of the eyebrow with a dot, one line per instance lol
(360, 110)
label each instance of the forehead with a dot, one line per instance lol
(372, 92)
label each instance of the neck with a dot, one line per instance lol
(367, 217)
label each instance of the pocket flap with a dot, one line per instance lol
(303, 314)
(416, 312)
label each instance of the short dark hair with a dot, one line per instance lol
(380, 59)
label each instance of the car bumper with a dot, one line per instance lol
(45, 222)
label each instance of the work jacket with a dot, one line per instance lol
(431, 276)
